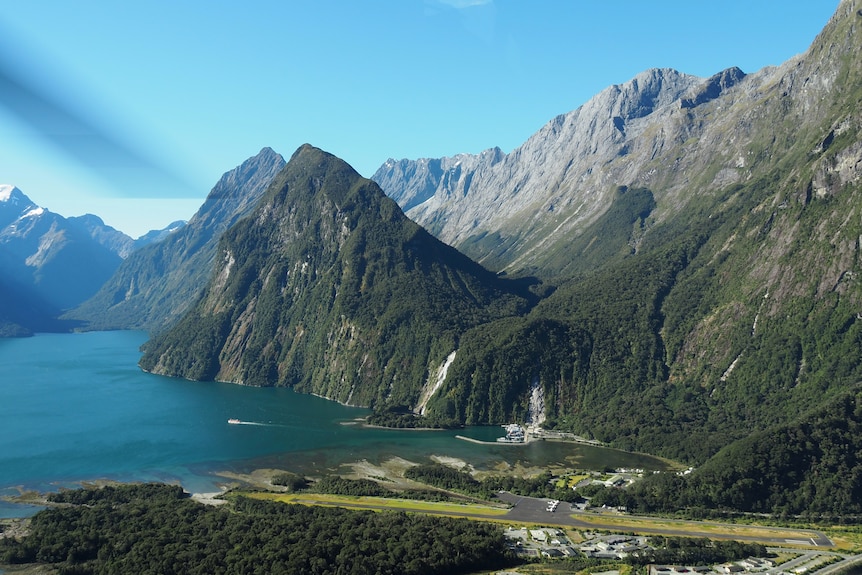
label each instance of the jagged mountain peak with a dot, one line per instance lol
(426, 176)
(264, 162)
(714, 87)
(10, 193)
(642, 95)
(327, 286)
(14, 204)
(561, 179)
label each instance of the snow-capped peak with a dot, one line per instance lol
(6, 192)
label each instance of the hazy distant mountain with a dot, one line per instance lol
(116, 241)
(157, 283)
(112, 239)
(154, 236)
(64, 261)
(328, 287)
(50, 263)
(14, 205)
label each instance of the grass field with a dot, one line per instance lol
(440, 507)
(647, 525)
(845, 537)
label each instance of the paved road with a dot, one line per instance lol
(532, 510)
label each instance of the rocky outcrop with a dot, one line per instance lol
(714, 87)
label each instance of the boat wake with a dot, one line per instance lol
(258, 423)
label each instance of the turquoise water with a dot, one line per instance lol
(75, 408)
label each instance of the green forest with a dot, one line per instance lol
(158, 529)
(810, 469)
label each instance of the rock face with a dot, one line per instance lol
(156, 284)
(501, 209)
(678, 135)
(328, 287)
(412, 183)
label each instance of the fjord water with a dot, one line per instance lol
(76, 407)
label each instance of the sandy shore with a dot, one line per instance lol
(388, 473)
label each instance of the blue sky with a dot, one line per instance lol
(141, 106)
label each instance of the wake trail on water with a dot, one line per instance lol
(258, 423)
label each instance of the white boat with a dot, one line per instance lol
(514, 434)
(233, 421)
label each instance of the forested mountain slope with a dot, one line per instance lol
(326, 286)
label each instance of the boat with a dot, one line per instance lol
(514, 434)
(233, 421)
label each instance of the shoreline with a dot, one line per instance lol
(208, 485)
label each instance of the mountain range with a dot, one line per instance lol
(673, 267)
(50, 263)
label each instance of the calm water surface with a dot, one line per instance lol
(75, 407)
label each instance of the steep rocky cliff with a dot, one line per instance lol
(328, 287)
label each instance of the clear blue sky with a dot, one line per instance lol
(141, 106)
